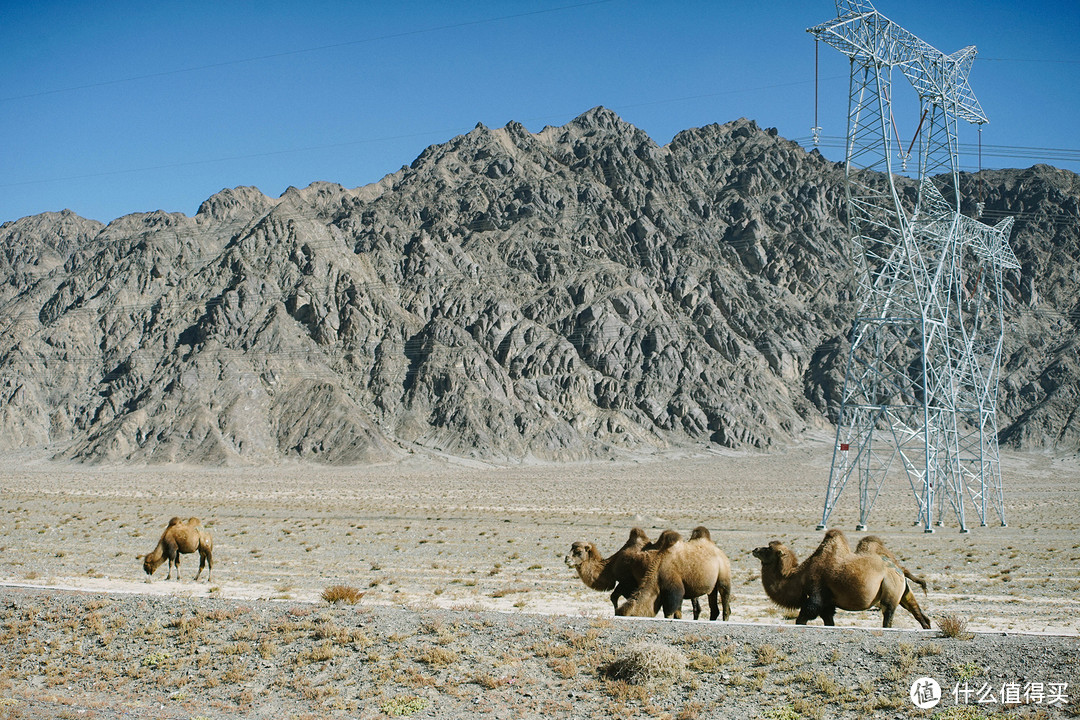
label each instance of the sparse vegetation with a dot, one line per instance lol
(309, 656)
(647, 662)
(345, 594)
(954, 626)
(403, 705)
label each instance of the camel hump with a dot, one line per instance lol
(834, 538)
(870, 543)
(833, 534)
(700, 532)
(637, 538)
(194, 521)
(174, 521)
(667, 539)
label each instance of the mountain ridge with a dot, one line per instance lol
(574, 293)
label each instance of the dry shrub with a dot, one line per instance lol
(767, 654)
(437, 656)
(320, 653)
(564, 668)
(342, 594)
(488, 681)
(642, 663)
(267, 649)
(954, 626)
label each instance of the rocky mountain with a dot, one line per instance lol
(573, 293)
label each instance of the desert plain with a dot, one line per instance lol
(454, 538)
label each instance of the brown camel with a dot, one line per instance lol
(680, 569)
(835, 577)
(621, 573)
(181, 536)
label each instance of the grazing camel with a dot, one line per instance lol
(181, 536)
(680, 569)
(621, 573)
(835, 577)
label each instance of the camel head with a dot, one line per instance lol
(149, 564)
(580, 553)
(771, 554)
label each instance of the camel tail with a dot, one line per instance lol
(918, 580)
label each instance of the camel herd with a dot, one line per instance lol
(655, 576)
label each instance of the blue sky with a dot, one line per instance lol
(120, 107)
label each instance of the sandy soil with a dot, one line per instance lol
(469, 610)
(431, 533)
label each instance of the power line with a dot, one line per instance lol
(828, 141)
(1004, 151)
(1029, 60)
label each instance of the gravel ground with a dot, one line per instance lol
(469, 610)
(71, 654)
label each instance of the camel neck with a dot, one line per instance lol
(782, 581)
(594, 572)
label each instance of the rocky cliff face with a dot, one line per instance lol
(567, 294)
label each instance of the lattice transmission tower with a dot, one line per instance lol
(920, 390)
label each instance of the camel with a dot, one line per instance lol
(621, 573)
(680, 569)
(835, 577)
(181, 536)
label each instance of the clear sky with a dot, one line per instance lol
(132, 106)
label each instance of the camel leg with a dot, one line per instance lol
(725, 600)
(888, 609)
(615, 595)
(696, 604)
(811, 608)
(621, 591)
(828, 614)
(202, 564)
(671, 600)
(908, 602)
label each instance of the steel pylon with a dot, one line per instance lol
(920, 390)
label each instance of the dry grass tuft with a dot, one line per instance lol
(320, 653)
(647, 662)
(766, 654)
(342, 594)
(437, 656)
(954, 626)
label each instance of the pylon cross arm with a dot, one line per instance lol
(862, 33)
